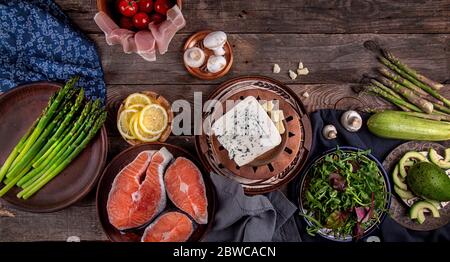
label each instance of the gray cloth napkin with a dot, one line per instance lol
(260, 218)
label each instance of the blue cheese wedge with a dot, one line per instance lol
(246, 131)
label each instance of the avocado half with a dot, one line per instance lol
(429, 181)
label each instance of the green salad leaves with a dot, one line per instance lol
(345, 193)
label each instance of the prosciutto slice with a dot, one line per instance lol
(145, 45)
(164, 32)
(106, 24)
(144, 42)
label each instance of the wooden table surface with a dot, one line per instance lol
(327, 35)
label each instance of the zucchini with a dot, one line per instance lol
(397, 125)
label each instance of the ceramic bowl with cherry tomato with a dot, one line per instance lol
(136, 15)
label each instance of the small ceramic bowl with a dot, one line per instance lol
(154, 97)
(196, 40)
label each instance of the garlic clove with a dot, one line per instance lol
(303, 71)
(276, 69)
(194, 57)
(305, 94)
(300, 65)
(329, 132)
(292, 75)
(216, 63)
(351, 121)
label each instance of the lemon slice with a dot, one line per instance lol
(123, 124)
(142, 136)
(137, 107)
(134, 119)
(137, 99)
(153, 119)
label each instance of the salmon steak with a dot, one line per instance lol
(137, 194)
(186, 189)
(169, 227)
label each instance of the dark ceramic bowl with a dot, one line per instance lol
(304, 183)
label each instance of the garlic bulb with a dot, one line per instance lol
(329, 132)
(216, 63)
(194, 57)
(351, 121)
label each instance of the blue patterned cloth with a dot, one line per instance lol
(38, 42)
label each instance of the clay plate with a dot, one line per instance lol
(154, 97)
(399, 209)
(196, 40)
(279, 166)
(19, 108)
(123, 159)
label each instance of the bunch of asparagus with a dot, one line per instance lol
(406, 88)
(62, 131)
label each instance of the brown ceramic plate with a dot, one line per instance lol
(123, 159)
(399, 207)
(19, 108)
(196, 40)
(159, 99)
(283, 165)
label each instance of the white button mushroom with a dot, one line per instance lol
(329, 132)
(215, 41)
(351, 121)
(194, 57)
(216, 63)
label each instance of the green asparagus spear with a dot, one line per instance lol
(29, 154)
(46, 118)
(69, 133)
(395, 100)
(62, 141)
(425, 80)
(62, 127)
(423, 104)
(393, 76)
(57, 154)
(426, 88)
(66, 159)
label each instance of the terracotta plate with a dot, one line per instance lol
(399, 208)
(281, 164)
(19, 108)
(123, 159)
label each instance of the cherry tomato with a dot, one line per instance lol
(145, 6)
(126, 23)
(127, 7)
(141, 20)
(157, 18)
(161, 6)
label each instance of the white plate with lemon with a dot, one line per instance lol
(145, 117)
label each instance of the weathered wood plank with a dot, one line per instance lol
(297, 16)
(330, 58)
